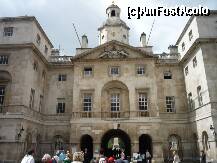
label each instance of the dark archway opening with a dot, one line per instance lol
(87, 142)
(145, 143)
(113, 13)
(125, 141)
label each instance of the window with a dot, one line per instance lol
(140, 70)
(103, 37)
(115, 102)
(190, 35)
(61, 105)
(38, 39)
(8, 31)
(124, 36)
(190, 101)
(143, 102)
(31, 101)
(200, 97)
(183, 46)
(3, 60)
(113, 13)
(88, 71)
(186, 71)
(62, 77)
(2, 95)
(45, 49)
(35, 66)
(87, 102)
(40, 103)
(114, 70)
(170, 104)
(167, 75)
(194, 62)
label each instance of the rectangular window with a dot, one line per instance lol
(186, 71)
(8, 31)
(114, 71)
(2, 95)
(62, 77)
(61, 105)
(200, 97)
(170, 104)
(87, 102)
(32, 97)
(140, 70)
(143, 102)
(183, 46)
(115, 102)
(88, 71)
(194, 62)
(35, 66)
(3, 60)
(40, 103)
(167, 75)
(190, 35)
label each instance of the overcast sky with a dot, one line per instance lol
(57, 16)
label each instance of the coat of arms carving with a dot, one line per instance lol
(113, 53)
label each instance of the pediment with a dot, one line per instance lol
(113, 50)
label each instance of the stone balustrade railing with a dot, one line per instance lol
(60, 59)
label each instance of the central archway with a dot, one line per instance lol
(116, 133)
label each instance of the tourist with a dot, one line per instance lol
(78, 157)
(28, 158)
(148, 156)
(176, 157)
(102, 158)
(46, 158)
(55, 159)
(203, 157)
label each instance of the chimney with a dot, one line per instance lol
(84, 43)
(173, 49)
(143, 40)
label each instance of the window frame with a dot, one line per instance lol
(168, 75)
(61, 106)
(88, 74)
(4, 59)
(115, 102)
(112, 67)
(183, 46)
(62, 77)
(194, 60)
(2, 96)
(144, 101)
(32, 98)
(190, 35)
(89, 106)
(170, 102)
(138, 69)
(8, 33)
(186, 71)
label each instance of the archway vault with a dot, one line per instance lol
(116, 133)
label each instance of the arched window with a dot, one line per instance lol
(205, 140)
(113, 13)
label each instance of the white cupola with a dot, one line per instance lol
(113, 28)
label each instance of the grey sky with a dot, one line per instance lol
(56, 18)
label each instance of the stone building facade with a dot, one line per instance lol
(156, 102)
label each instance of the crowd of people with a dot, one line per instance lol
(118, 156)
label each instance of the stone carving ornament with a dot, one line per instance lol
(113, 53)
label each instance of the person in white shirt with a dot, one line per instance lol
(176, 158)
(28, 158)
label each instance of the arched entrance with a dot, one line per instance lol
(87, 142)
(145, 143)
(110, 137)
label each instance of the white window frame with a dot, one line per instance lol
(142, 101)
(88, 73)
(62, 77)
(8, 31)
(61, 106)
(2, 94)
(140, 70)
(115, 102)
(170, 104)
(113, 70)
(87, 102)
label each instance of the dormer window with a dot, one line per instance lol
(113, 13)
